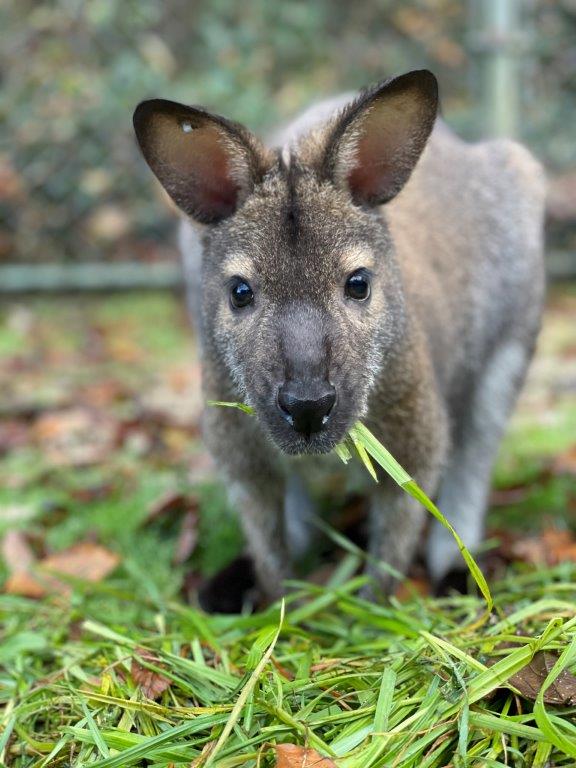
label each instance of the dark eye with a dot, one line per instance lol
(358, 286)
(241, 294)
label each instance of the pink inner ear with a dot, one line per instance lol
(201, 172)
(371, 174)
(215, 190)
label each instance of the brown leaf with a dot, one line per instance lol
(75, 436)
(187, 538)
(530, 678)
(293, 756)
(169, 507)
(409, 588)
(552, 546)
(565, 463)
(151, 683)
(17, 552)
(169, 504)
(86, 560)
(25, 585)
(560, 544)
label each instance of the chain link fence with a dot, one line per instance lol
(73, 189)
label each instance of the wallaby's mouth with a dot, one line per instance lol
(315, 444)
(308, 417)
(294, 442)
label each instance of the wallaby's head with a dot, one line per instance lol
(302, 303)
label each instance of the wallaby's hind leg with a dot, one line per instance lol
(464, 490)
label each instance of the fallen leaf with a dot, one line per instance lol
(75, 436)
(86, 561)
(530, 678)
(207, 750)
(24, 585)
(286, 674)
(169, 504)
(293, 756)
(560, 544)
(552, 546)
(151, 683)
(17, 552)
(168, 508)
(565, 463)
(13, 434)
(410, 588)
(187, 538)
(20, 558)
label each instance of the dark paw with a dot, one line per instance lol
(231, 590)
(455, 580)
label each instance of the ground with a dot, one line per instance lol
(103, 478)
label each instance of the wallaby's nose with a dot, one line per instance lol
(306, 409)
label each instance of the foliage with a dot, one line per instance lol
(72, 186)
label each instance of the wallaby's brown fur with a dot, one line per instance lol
(446, 239)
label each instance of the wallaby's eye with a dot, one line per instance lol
(240, 293)
(358, 285)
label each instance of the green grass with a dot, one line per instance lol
(414, 684)
(401, 684)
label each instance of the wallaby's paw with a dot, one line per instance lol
(231, 590)
(456, 580)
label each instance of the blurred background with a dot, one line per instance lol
(73, 189)
(99, 393)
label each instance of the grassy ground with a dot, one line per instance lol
(99, 444)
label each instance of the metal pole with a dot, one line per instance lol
(101, 276)
(497, 40)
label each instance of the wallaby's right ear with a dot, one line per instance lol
(377, 140)
(208, 165)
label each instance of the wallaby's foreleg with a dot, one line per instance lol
(395, 525)
(298, 516)
(256, 488)
(262, 517)
(464, 491)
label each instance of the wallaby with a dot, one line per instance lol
(369, 265)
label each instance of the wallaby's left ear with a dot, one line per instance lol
(208, 165)
(378, 139)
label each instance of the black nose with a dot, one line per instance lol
(306, 408)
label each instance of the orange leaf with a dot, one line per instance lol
(293, 756)
(86, 561)
(409, 588)
(565, 463)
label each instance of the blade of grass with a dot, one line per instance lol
(553, 732)
(384, 458)
(245, 693)
(240, 406)
(384, 703)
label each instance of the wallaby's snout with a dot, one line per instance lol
(306, 406)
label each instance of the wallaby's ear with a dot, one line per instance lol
(208, 165)
(378, 139)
